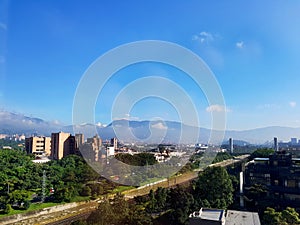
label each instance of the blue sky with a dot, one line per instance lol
(253, 49)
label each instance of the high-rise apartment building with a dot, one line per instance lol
(79, 139)
(38, 145)
(62, 144)
(95, 143)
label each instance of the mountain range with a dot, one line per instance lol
(140, 131)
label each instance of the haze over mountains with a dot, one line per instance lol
(145, 131)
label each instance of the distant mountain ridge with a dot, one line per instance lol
(12, 123)
(143, 131)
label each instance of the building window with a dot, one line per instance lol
(291, 183)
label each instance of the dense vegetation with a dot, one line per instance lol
(196, 161)
(173, 205)
(221, 156)
(21, 180)
(21, 185)
(118, 211)
(18, 145)
(289, 216)
(18, 177)
(141, 159)
(262, 153)
(214, 188)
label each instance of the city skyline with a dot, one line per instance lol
(252, 49)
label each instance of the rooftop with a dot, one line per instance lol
(240, 218)
(217, 217)
(209, 214)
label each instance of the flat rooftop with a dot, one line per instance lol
(209, 214)
(241, 218)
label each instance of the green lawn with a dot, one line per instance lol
(32, 207)
(37, 206)
(80, 198)
(122, 188)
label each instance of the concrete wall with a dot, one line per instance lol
(32, 214)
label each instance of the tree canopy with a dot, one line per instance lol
(214, 187)
(141, 159)
(289, 216)
(262, 153)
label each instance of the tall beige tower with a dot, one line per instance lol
(62, 144)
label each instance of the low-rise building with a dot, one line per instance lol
(220, 217)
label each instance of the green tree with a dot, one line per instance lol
(161, 195)
(290, 216)
(137, 216)
(271, 217)
(86, 191)
(119, 212)
(141, 159)
(221, 156)
(181, 204)
(262, 153)
(151, 206)
(215, 186)
(19, 197)
(7, 208)
(103, 215)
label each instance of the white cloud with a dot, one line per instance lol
(126, 116)
(99, 124)
(293, 104)
(160, 126)
(56, 122)
(240, 44)
(217, 108)
(3, 26)
(204, 37)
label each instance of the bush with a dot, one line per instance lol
(86, 191)
(7, 209)
(26, 204)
